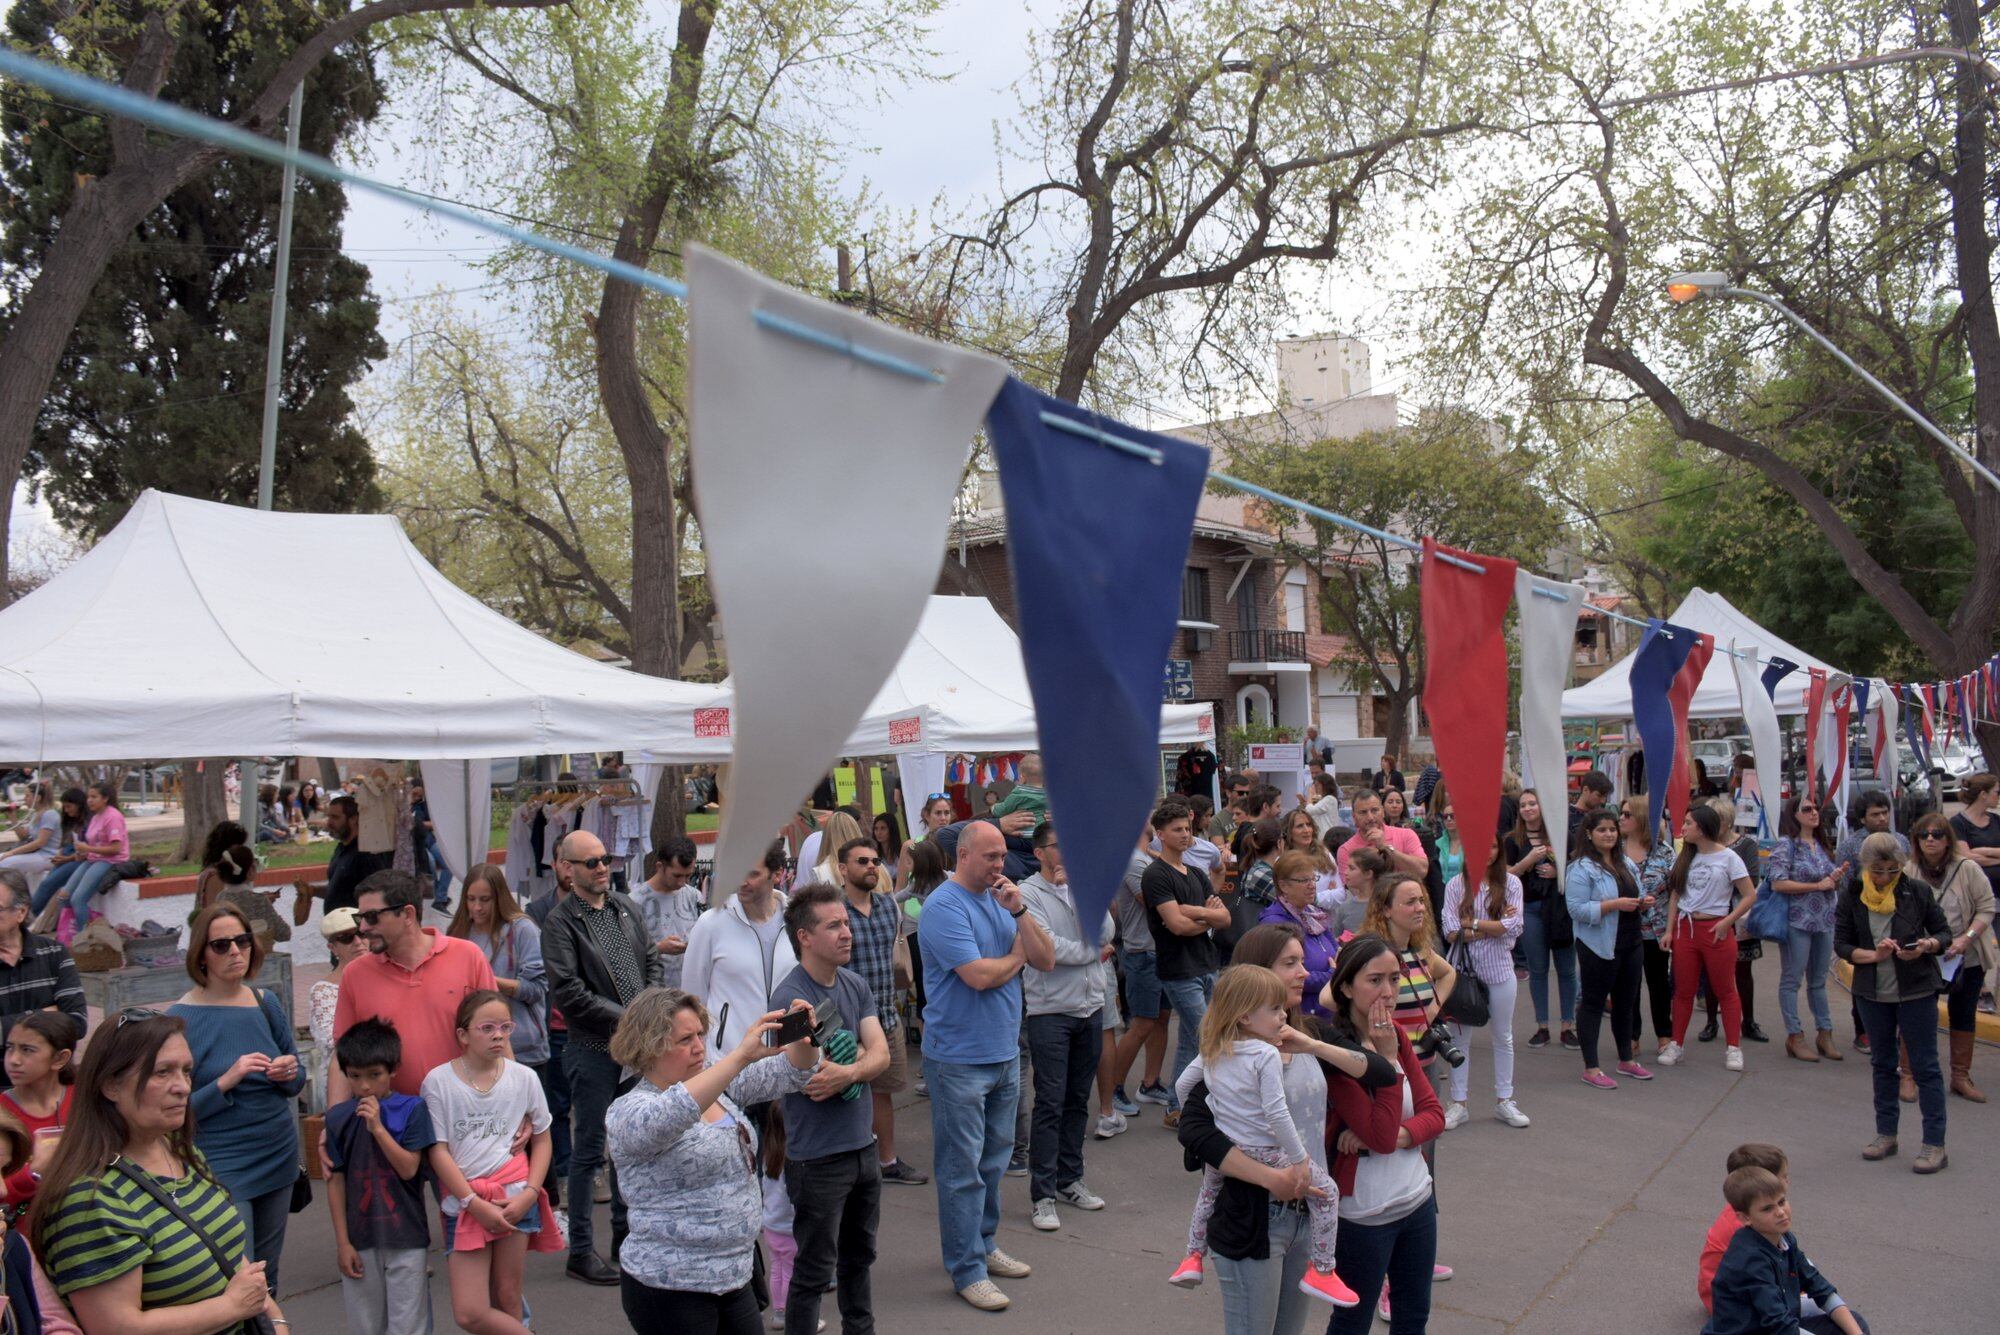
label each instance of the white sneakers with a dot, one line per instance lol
(1671, 1054)
(1045, 1217)
(1005, 1266)
(1455, 1116)
(1110, 1125)
(1082, 1197)
(1506, 1111)
(1732, 1059)
(985, 1295)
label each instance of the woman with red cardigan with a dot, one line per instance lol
(1388, 1214)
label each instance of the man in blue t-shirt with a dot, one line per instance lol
(831, 1172)
(976, 937)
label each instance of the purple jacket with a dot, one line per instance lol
(1320, 949)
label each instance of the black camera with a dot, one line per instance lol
(1436, 1042)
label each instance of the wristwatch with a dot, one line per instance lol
(1015, 913)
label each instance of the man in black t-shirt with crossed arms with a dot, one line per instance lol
(1182, 908)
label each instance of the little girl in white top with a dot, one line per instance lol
(1246, 1096)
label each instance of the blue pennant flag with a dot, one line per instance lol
(1662, 654)
(1775, 671)
(1099, 516)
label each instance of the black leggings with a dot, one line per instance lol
(1618, 979)
(654, 1311)
(1660, 989)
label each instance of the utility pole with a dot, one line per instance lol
(274, 365)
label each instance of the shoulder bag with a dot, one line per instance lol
(1470, 1003)
(259, 1324)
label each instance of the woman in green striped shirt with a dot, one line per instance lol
(121, 1258)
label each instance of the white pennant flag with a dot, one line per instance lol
(1761, 718)
(1548, 649)
(827, 449)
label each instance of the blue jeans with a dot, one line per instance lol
(57, 878)
(440, 874)
(593, 1084)
(1262, 1297)
(1401, 1253)
(84, 880)
(1142, 983)
(264, 1219)
(972, 1137)
(1534, 940)
(1807, 956)
(1189, 998)
(1916, 1023)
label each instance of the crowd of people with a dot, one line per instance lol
(722, 1070)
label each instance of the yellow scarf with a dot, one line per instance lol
(1879, 898)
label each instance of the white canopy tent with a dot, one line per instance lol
(159, 642)
(962, 686)
(1610, 695)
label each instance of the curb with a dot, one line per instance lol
(1986, 1026)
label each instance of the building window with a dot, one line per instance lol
(1246, 608)
(1194, 594)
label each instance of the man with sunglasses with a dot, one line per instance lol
(599, 956)
(413, 976)
(875, 924)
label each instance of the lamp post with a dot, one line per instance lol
(1709, 285)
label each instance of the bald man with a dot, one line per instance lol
(976, 937)
(599, 956)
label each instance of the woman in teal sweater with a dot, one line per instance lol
(246, 1077)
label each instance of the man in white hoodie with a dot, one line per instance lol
(737, 952)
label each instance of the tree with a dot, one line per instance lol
(138, 45)
(643, 138)
(1450, 477)
(161, 383)
(1862, 201)
(1182, 154)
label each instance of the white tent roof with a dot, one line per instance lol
(961, 685)
(1610, 696)
(168, 638)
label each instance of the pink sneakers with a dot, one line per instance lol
(1187, 1275)
(1634, 1070)
(1599, 1080)
(1327, 1287)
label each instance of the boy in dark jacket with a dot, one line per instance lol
(1764, 1272)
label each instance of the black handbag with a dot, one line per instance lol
(259, 1324)
(1470, 1003)
(1558, 928)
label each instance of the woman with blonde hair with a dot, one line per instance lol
(1962, 891)
(1302, 835)
(840, 827)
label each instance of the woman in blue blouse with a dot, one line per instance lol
(1801, 869)
(246, 1076)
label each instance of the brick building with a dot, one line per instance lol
(1250, 625)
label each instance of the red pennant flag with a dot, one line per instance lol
(1465, 684)
(1815, 708)
(1679, 697)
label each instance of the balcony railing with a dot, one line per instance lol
(1267, 646)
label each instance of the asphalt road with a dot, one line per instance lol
(1585, 1223)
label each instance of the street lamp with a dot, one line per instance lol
(1708, 284)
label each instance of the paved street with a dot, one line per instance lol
(1586, 1223)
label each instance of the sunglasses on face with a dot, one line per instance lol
(222, 945)
(867, 862)
(1929, 835)
(590, 864)
(369, 917)
(344, 938)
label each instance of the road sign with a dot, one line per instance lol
(1178, 685)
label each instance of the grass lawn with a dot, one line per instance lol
(313, 855)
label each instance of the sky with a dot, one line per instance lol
(919, 143)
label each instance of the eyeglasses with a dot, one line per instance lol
(222, 945)
(369, 917)
(344, 938)
(589, 864)
(1296, 880)
(494, 1028)
(1928, 835)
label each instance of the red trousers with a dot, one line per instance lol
(1696, 951)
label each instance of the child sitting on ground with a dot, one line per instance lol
(1765, 1273)
(375, 1147)
(1753, 1154)
(1246, 1095)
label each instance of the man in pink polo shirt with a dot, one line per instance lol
(1370, 831)
(413, 977)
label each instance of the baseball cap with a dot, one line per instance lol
(338, 922)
